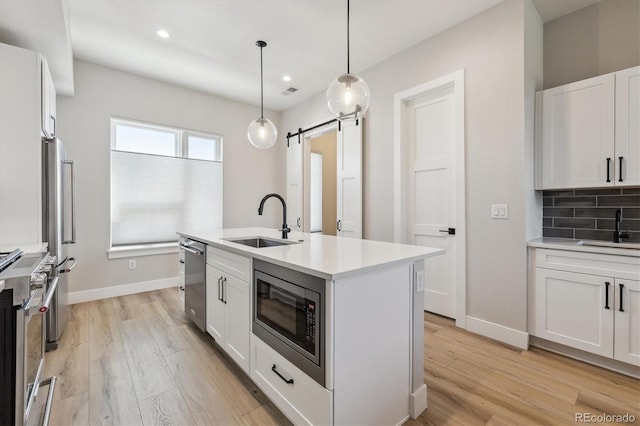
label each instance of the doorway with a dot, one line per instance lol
(430, 187)
(341, 149)
(323, 184)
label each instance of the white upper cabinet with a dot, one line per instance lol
(589, 133)
(20, 149)
(48, 119)
(627, 152)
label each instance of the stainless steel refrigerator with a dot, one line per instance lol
(59, 227)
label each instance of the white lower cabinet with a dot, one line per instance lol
(298, 396)
(228, 314)
(597, 312)
(571, 309)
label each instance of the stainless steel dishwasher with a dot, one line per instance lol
(194, 282)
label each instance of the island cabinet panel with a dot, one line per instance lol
(215, 306)
(299, 397)
(627, 325)
(229, 303)
(371, 338)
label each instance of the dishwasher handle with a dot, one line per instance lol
(192, 250)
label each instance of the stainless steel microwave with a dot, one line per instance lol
(288, 315)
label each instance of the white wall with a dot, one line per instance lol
(499, 162)
(599, 39)
(83, 123)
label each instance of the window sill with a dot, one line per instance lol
(142, 250)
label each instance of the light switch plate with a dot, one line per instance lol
(499, 211)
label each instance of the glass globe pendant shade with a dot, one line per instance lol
(348, 97)
(262, 133)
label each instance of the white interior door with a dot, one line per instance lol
(349, 191)
(431, 189)
(294, 185)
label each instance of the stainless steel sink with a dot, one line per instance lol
(590, 243)
(260, 242)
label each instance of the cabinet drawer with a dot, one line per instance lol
(304, 401)
(238, 266)
(627, 267)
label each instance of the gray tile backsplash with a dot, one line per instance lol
(589, 214)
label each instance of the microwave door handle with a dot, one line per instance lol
(73, 203)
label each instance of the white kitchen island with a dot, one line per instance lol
(372, 323)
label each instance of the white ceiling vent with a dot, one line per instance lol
(289, 91)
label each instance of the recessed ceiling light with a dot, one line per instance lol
(286, 78)
(162, 34)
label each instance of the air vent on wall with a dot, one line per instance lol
(289, 91)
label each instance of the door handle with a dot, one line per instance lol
(73, 203)
(621, 293)
(620, 169)
(275, 370)
(339, 225)
(450, 231)
(608, 169)
(70, 268)
(298, 222)
(606, 295)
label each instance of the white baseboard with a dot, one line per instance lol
(121, 290)
(510, 336)
(418, 402)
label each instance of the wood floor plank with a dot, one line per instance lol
(167, 335)
(148, 368)
(104, 334)
(168, 408)
(71, 411)
(209, 400)
(112, 398)
(265, 415)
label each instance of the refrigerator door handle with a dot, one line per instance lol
(70, 268)
(73, 203)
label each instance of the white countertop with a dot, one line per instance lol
(322, 255)
(577, 245)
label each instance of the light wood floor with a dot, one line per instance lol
(137, 360)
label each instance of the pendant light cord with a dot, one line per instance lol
(348, 37)
(261, 87)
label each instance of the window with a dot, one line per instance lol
(162, 180)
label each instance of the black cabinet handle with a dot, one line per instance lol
(621, 293)
(620, 171)
(339, 225)
(608, 169)
(606, 295)
(181, 261)
(287, 381)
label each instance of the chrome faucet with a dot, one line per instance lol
(285, 229)
(618, 234)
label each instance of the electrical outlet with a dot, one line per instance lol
(132, 264)
(499, 211)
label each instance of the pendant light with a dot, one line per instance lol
(348, 95)
(262, 133)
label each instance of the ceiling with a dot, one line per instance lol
(553, 9)
(212, 42)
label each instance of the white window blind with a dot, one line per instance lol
(155, 191)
